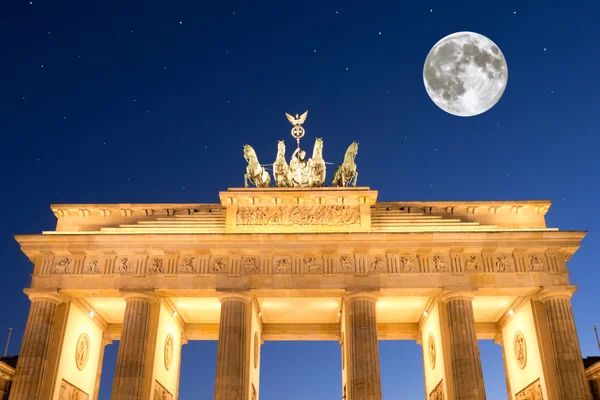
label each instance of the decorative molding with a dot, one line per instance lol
(256, 349)
(168, 351)
(298, 215)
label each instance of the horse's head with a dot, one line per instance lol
(353, 148)
(318, 149)
(249, 151)
(281, 147)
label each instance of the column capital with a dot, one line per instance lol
(138, 294)
(554, 292)
(52, 296)
(235, 295)
(358, 295)
(455, 294)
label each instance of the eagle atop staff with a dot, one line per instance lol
(297, 120)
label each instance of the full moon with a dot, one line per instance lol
(465, 74)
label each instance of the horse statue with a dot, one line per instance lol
(318, 171)
(346, 172)
(255, 173)
(281, 169)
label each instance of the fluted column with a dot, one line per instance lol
(31, 366)
(570, 373)
(467, 375)
(364, 381)
(131, 368)
(233, 355)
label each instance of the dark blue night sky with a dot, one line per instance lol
(152, 101)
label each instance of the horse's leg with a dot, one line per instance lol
(355, 178)
(245, 180)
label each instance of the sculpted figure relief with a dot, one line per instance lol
(378, 264)
(250, 264)
(82, 351)
(502, 263)
(187, 264)
(440, 264)
(282, 264)
(520, 349)
(219, 265)
(438, 392)
(407, 263)
(62, 266)
(472, 263)
(156, 266)
(160, 393)
(93, 266)
(533, 391)
(537, 264)
(124, 265)
(70, 392)
(310, 263)
(298, 215)
(347, 263)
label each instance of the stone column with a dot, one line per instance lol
(105, 341)
(364, 382)
(570, 374)
(233, 355)
(467, 375)
(31, 367)
(131, 368)
(500, 341)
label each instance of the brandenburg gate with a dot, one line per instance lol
(299, 261)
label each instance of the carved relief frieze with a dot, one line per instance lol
(377, 264)
(438, 392)
(161, 393)
(156, 265)
(63, 265)
(68, 391)
(440, 263)
(473, 262)
(347, 263)
(168, 351)
(282, 264)
(408, 263)
(187, 263)
(312, 265)
(82, 351)
(125, 264)
(503, 263)
(219, 264)
(250, 264)
(94, 265)
(520, 349)
(533, 391)
(298, 215)
(537, 263)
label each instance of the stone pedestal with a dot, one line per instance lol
(466, 372)
(363, 379)
(132, 363)
(570, 374)
(31, 367)
(233, 352)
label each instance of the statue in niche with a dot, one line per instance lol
(347, 263)
(250, 264)
(93, 266)
(62, 266)
(187, 264)
(157, 266)
(124, 265)
(407, 263)
(439, 263)
(502, 264)
(283, 265)
(310, 263)
(472, 263)
(536, 263)
(377, 264)
(219, 265)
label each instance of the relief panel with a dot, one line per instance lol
(160, 393)
(532, 392)
(438, 392)
(70, 392)
(298, 216)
